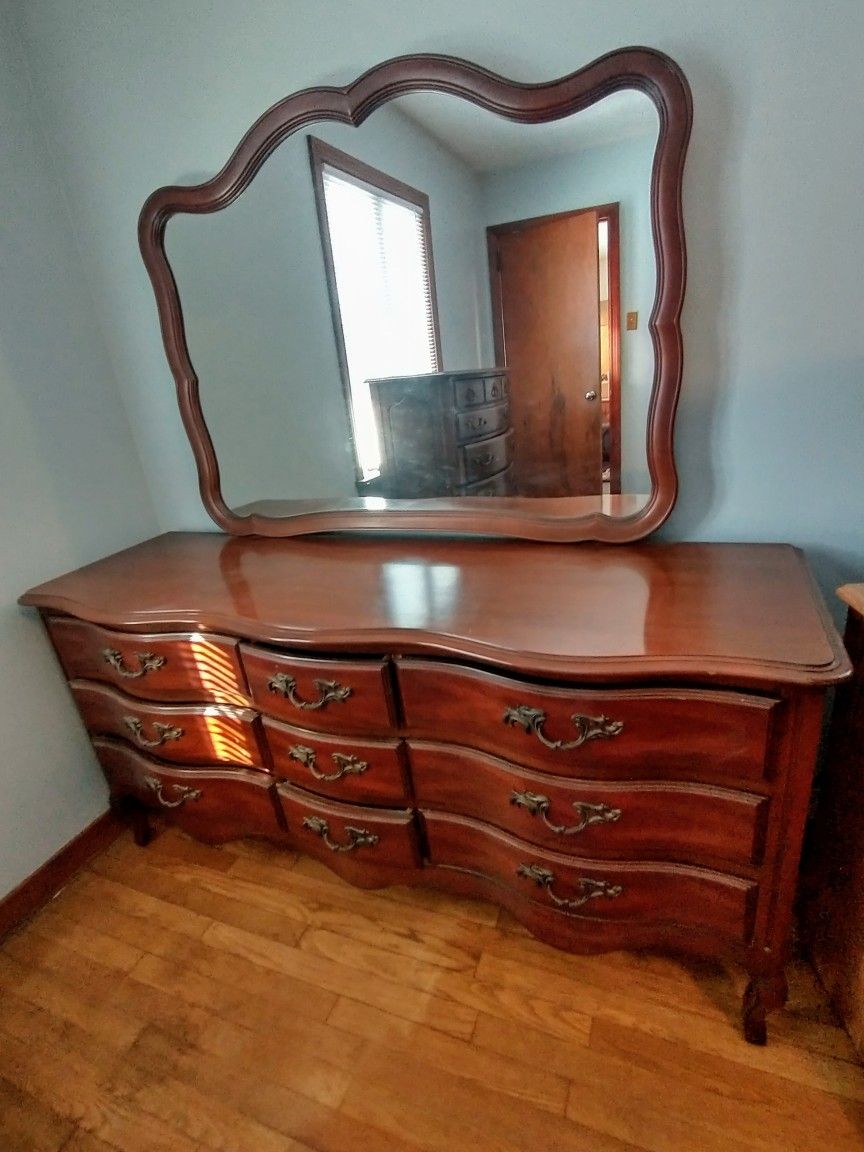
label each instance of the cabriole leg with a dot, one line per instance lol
(764, 994)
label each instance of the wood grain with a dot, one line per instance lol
(142, 1011)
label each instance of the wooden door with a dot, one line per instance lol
(545, 294)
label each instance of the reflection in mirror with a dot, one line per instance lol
(540, 242)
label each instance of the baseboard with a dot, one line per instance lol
(47, 881)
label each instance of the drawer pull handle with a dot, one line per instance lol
(475, 423)
(147, 662)
(483, 461)
(538, 805)
(357, 837)
(328, 690)
(154, 785)
(345, 765)
(164, 732)
(588, 727)
(588, 889)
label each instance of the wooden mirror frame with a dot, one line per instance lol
(644, 69)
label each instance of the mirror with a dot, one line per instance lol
(415, 317)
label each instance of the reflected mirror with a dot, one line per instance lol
(443, 310)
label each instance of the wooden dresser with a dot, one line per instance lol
(444, 434)
(616, 744)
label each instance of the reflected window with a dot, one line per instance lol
(378, 252)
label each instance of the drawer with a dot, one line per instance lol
(486, 457)
(671, 734)
(180, 733)
(499, 485)
(335, 832)
(482, 422)
(496, 388)
(325, 695)
(356, 770)
(469, 390)
(210, 804)
(158, 666)
(627, 892)
(693, 823)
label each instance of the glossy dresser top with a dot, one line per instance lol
(688, 612)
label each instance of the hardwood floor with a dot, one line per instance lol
(183, 998)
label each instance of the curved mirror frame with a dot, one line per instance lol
(559, 519)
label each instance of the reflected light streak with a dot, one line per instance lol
(216, 670)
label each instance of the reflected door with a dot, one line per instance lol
(546, 307)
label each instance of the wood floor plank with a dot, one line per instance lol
(277, 1106)
(112, 1028)
(480, 911)
(368, 987)
(451, 1112)
(200, 1116)
(27, 1125)
(210, 901)
(537, 1085)
(189, 998)
(73, 1087)
(756, 1105)
(399, 927)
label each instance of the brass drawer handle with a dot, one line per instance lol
(147, 662)
(345, 765)
(475, 423)
(588, 889)
(154, 785)
(357, 837)
(328, 690)
(164, 732)
(588, 727)
(538, 805)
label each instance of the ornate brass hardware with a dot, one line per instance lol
(483, 461)
(164, 732)
(328, 690)
(475, 423)
(357, 837)
(588, 727)
(154, 785)
(345, 765)
(147, 662)
(588, 889)
(538, 805)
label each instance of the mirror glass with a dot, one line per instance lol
(530, 372)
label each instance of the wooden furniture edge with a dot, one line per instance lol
(853, 595)
(38, 888)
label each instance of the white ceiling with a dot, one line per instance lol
(487, 143)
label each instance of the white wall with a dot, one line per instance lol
(130, 94)
(72, 487)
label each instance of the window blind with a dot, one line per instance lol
(381, 267)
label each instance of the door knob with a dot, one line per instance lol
(592, 395)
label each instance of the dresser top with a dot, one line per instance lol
(689, 612)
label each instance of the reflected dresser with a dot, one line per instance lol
(443, 434)
(615, 744)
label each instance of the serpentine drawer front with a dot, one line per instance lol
(181, 733)
(647, 893)
(361, 771)
(161, 666)
(326, 695)
(692, 823)
(673, 734)
(495, 720)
